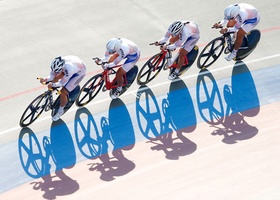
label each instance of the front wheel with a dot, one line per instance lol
(150, 69)
(90, 89)
(211, 52)
(34, 109)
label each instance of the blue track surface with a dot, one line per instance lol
(88, 136)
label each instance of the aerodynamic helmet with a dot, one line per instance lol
(114, 45)
(231, 11)
(57, 64)
(176, 28)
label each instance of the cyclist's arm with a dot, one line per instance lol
(50, 77)
(61, 82)
(232, 29)
(224, 22)
(57, 84)
(165, 38)
(69, 72)
(179, 42)
(115, 61)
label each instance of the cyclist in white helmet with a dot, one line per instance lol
(66, 72)
(241, 18)
(184, 34)
(118, 49)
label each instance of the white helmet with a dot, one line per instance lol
(176, 28)
(57, 64)
(231, 11)
(114, 45)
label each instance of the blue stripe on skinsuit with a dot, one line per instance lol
(250, 21)
(73, 76)
(131, 58)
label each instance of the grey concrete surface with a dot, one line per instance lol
(33, 32)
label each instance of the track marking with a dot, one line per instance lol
(97, 71)
(134, 92)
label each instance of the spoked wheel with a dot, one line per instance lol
(90, 90)
(33, 111)
(211, 53)
(150, 69)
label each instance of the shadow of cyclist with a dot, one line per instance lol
(245, 97)
(31, 154)
(117, 131)
(179, 114)
(148, 113)
(88, 138)
(63, 149)
(241, 101)
(57, 185)
(37, 165)
(209, 99)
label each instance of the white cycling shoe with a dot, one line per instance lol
(57, 116)
(173, 75)
(116, 94)
(231, 56)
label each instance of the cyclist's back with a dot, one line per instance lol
(74, 66)
(128, 48)
(247, 14)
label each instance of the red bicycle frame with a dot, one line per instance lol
(156, 61)
(106, 76)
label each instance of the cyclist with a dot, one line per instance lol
(184, 34)
(118, 49)
(240, 18)
(66, 72)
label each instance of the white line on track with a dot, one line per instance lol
(135, 91)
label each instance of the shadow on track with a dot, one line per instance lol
(176, 115)
(116, 134)
(36, 162)
(241, 100)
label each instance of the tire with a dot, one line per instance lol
(211, 53)
(89, 90)
(150, 69)
(252, 40)
(34, 110)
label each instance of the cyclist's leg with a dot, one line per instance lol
(63, 98)
(239, 39)
(128, 64)
(182, 53)
(245, 29)
(69, 87)
(187, 47)
(119, 77)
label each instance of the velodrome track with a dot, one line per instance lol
(197, 157)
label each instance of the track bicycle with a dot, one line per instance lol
(214, 49)
(46, 102)
(163, 60)
(103, 81)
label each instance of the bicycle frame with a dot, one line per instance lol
(170, 62)
(49, 105)
(96, 83)
(164, 60)
(106, 76)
